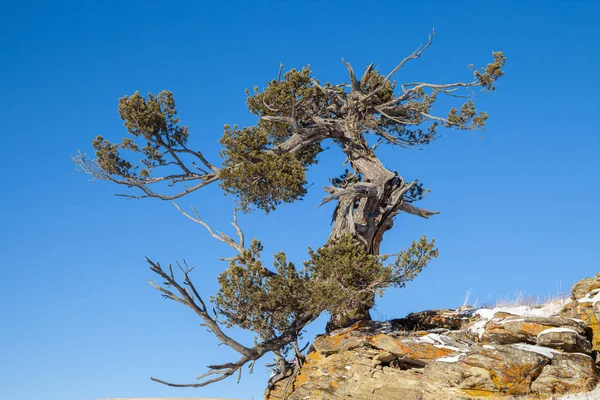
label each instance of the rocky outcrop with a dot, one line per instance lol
(565, 339)
(432, 319)
(463, 354)
(585, 286)
(517, 329)
(587, 309)
(566, 374)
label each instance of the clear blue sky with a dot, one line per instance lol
(79, 321)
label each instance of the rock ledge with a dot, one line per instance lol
(457, 354)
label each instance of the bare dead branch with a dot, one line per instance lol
(366, 75)
(221, 373)
(206, 180)
(280, 369)
(279, 74)
(239, 247)
(414, 55)
(238, 229)
(353, 81)
(249, 354)
(185, 299)
(223, 237)
(421, 212)
(400, 121)
(91, 167)
(356, 190)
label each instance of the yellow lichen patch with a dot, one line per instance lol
(517, 378)
(590, 318)
(311, 363)
(301, 379)
(496, 380)
(479, 393)
(514, 379)
(314, 357)
(585, 312)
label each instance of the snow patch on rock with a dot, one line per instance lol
(591, 297)
(511, 320)
(478, 328)
(547, 309)
(544, 351)
(551, 330)
(450, 359)
(437, 341)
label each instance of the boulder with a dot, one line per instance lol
(444, 319)
(565, 339)
(491, 369)
(361, 373)
(517, 329)
(584, 286)
(344, 339)
(587, 310)
(416, 350)
(567, 373)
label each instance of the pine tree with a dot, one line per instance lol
(264, 166)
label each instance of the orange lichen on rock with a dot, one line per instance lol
(408, 349)
(398, 360)
(345, 339)
(532, 329)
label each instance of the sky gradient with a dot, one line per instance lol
(518, 201)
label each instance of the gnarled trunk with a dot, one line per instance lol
(364, 211)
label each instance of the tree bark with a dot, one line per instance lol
(367, 212)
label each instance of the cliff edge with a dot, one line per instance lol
(536, 352)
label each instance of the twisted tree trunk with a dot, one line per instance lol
(366, 209)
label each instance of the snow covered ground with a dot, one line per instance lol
(546, 309)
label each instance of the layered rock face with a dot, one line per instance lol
(585, 305)
(537, 352)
